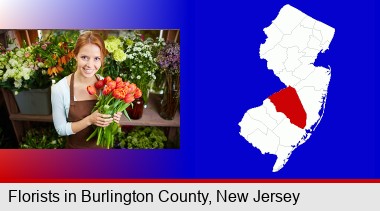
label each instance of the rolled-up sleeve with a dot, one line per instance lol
(60, 109)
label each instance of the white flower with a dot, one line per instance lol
(13, 62)
(18, 83)
(138, 77)
(25, 73)
(10, 73)
(20, 53)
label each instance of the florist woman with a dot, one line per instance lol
(72, 104)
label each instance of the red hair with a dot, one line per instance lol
(92, 38)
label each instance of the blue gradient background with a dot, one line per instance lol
(222, 77)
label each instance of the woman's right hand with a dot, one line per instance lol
(101, 120)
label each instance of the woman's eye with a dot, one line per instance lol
(97, 58)
(84, 57)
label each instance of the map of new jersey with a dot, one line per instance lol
(287, 118)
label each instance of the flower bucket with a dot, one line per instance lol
(136, 111)
(170, 101)
(34, 101)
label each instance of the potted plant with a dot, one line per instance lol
(30, 71)
(142, 138)
(168, 60)
(133, 58)
(42, 138)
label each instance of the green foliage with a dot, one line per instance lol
(55, 53)
(143, 138)
(2, 49)
(42, 138)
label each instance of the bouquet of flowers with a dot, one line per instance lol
(19, 70)
(114, 96)
(140, 63)
(169, 61)
(116, 56)
(133, 58)
(35, 66)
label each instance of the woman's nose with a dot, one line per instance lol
(90, 63)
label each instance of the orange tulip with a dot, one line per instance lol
(99, 84)
(138, 93)
(119, 93)
(107, 79)
(132, 88)
(107, 90)
(111, 84)
(91, 90)
(120, 84)
(116, 97)
(118, 79)
(129, 98)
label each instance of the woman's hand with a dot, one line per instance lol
(116, 117)
(101, 120)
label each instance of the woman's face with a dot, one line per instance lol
(89, 60)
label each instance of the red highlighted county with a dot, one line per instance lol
(288, 102)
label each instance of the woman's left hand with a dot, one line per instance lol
(116, 117)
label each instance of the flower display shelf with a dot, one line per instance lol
(151, 117)
(20, 122)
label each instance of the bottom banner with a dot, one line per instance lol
(190, 196)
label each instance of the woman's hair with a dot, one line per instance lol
(93, 38)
